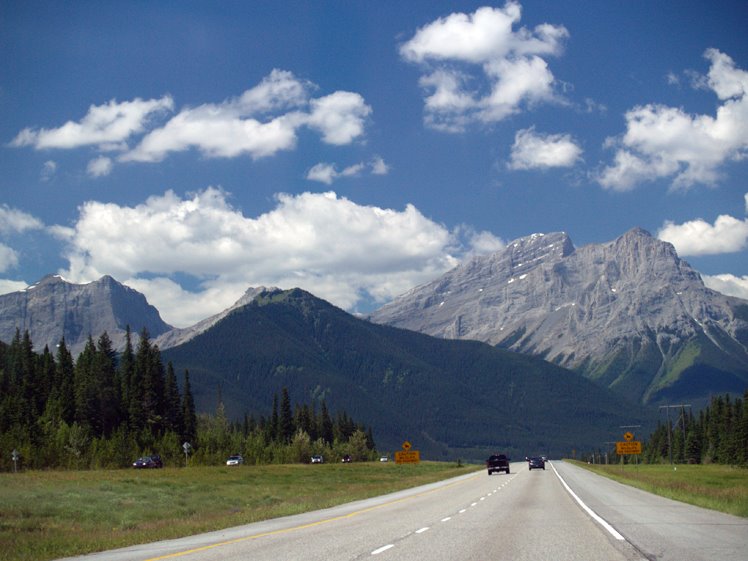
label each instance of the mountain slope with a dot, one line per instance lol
(628, 314)
(447, 397)
(54, 308)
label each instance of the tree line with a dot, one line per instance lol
(717, 434)
(104, 409)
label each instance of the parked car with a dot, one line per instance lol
(536, 463)
(235, 460)
(346, 459)
(317, 459)
(148, 462)
(384, 459)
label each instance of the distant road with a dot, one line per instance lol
(527, 515)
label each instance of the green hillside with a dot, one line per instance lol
(449, 398)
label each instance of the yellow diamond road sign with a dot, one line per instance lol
(406, 445)
(628, 436)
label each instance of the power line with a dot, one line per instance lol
(667, 408)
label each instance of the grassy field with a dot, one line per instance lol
(717, 487)
(51, 514)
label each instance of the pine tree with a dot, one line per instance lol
(326, 426)
(742, 438)
(126, 366)
(136, 390)
(714, 428)
(86, 390)
(46, 379)
(727, 450)
(108, 399)
(275, 421)
(287, 428)
(65, 382)
(29, 381)
(172, 403)
(150, 372)
(189, 416)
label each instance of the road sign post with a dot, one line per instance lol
(407, 456)
(15, 456)
(186, 447)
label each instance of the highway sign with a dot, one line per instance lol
(628, 436)
(409, 457)
(406, 445)
(626, 448)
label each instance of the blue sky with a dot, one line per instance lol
(357, 149)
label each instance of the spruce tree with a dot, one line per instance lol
(105, 372)
(287, 428)
(326, 425)
(126, 366)
(86, 390)
(275, 421)
(136, 390)
(189, 416)
(172, 403)
(64, 381)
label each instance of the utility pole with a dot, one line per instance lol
(607, 448)
(667, 408)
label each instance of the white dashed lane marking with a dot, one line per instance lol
(448, 518)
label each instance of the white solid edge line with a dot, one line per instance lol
(381, 549)
(597, 518)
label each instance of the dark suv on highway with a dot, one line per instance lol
(497, 462)
(536, 463)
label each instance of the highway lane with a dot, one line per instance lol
(526, 515)
(660, 528)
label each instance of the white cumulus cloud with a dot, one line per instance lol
(664, 142)
(697, 237)
(112, 122)
(321, 242)
(99, 167)
(13, 220)
(728, 284)
(533, 150)
(460, 50)
(261, 122)
(8, 258)
(327, 173)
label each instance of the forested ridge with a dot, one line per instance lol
(105, 409)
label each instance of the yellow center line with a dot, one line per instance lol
(304, 526)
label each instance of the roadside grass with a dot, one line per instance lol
(52, 514)
(717, 487)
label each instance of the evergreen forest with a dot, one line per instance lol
(717, 434)
(105, 409)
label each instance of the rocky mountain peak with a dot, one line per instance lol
(623, 312)
(54, 308)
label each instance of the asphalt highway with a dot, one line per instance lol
(563, 513)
